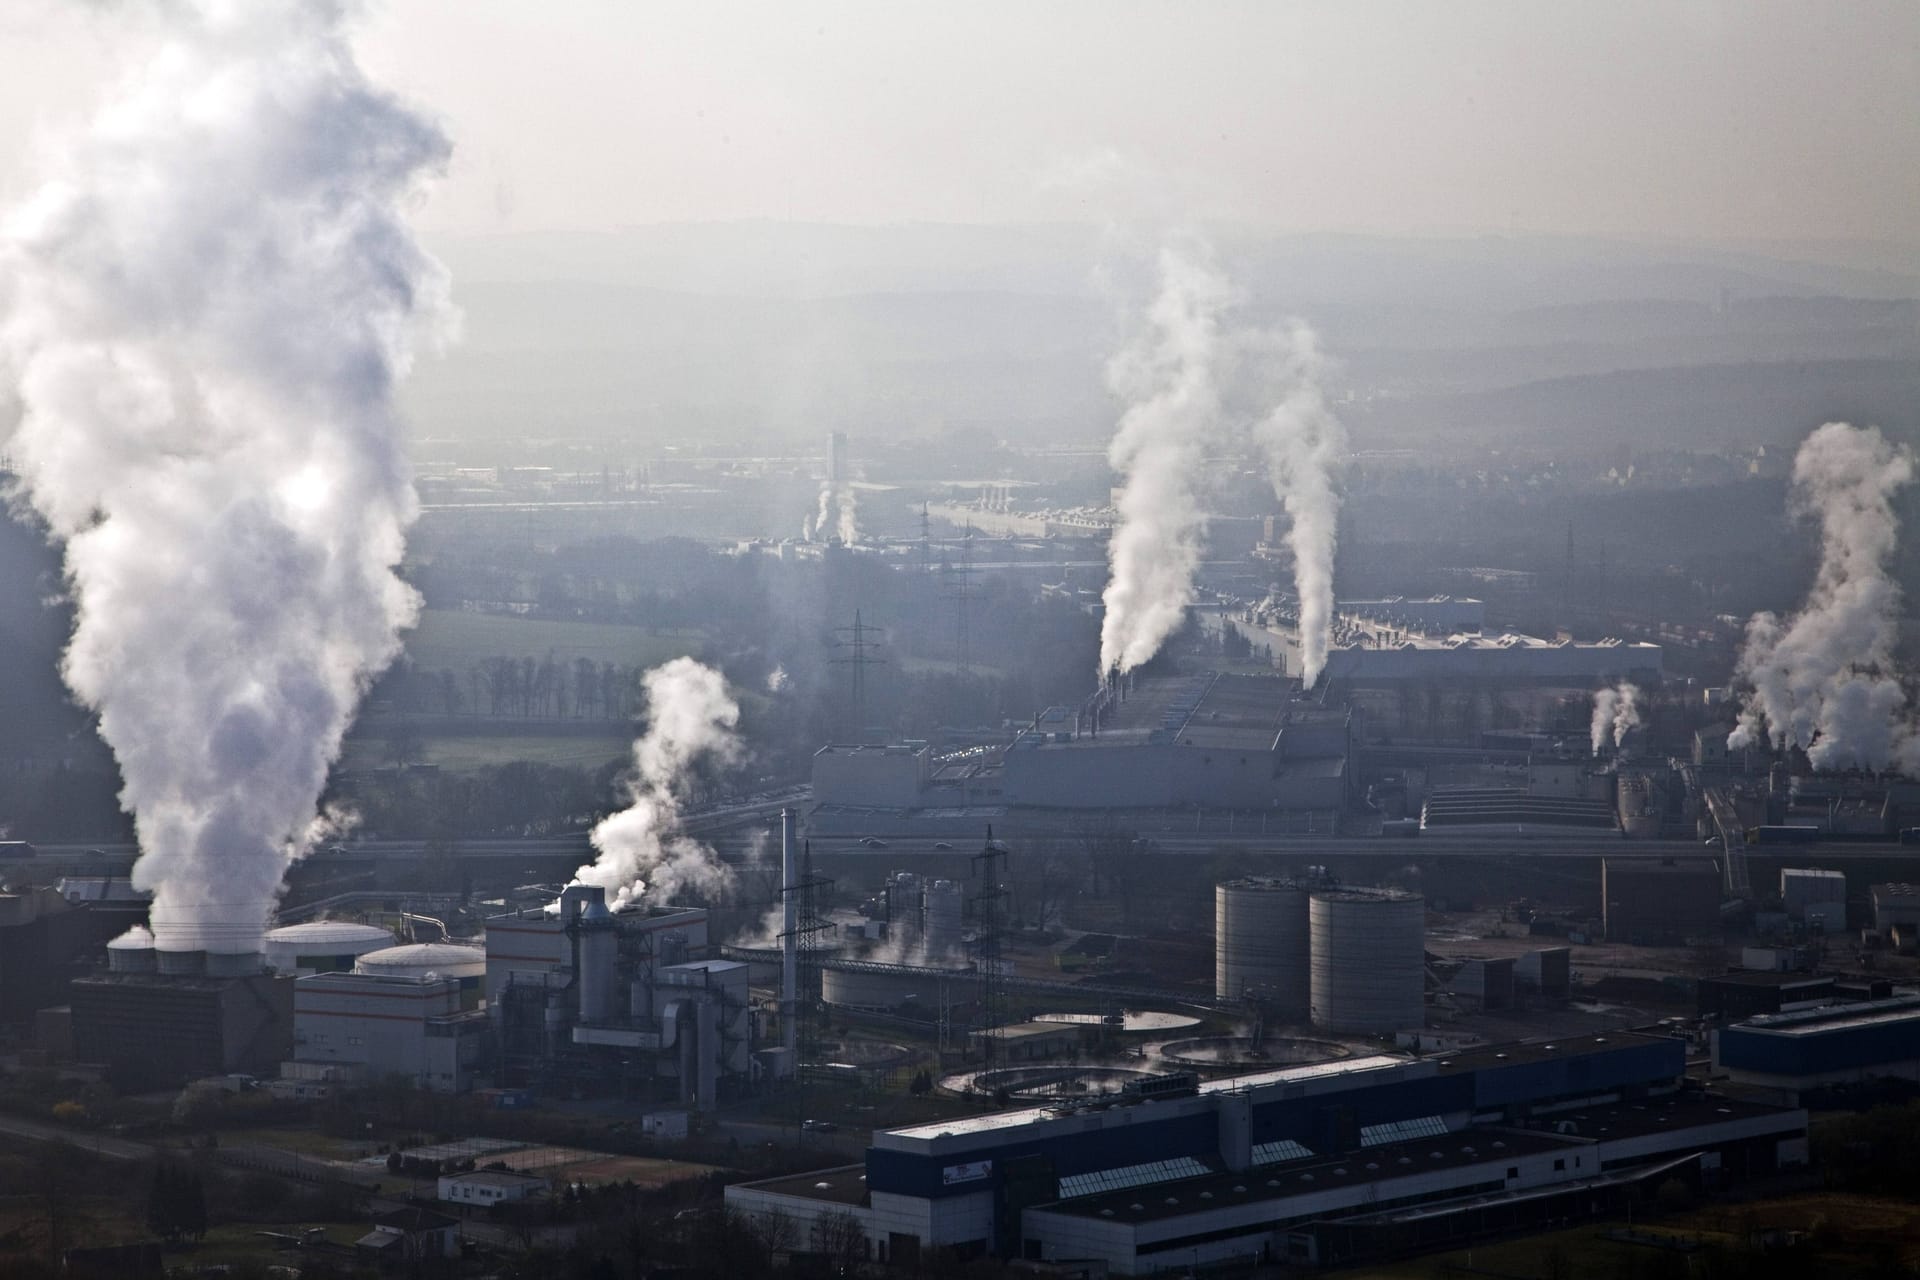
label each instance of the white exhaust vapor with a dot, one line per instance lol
(1167, 379)
(1615, 712)
(690, 717)
(1304, 443)
(203, 315)
(1823, 679)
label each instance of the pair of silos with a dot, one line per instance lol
(1351, 960)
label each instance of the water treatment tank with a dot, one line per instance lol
(1368, 960)
(1260, 942)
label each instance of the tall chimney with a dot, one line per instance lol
(789, 940)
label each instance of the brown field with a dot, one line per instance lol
(575, 1165)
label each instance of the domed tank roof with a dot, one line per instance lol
(328, 933)
(447, 959)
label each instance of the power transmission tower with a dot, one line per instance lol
(926, 540)
(989, 863)
(857, 643)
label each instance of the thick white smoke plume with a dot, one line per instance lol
(1167, 377)
(1304, 443)
(690, 716)
(1823, 679)
(838, 515)
(203, 314)
(1615, 711)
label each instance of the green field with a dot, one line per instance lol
(463, 754)
(450, 639)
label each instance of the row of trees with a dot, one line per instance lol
(502, 687)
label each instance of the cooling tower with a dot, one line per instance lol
(1260, 943)
(132, 952)
(1368, 961)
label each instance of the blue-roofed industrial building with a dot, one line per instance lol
(1806, 1051)
(1017, 1183)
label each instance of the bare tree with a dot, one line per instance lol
(842, 1240)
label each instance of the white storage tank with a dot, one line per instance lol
(322, 946)
(941, 933)
(417, 960)
(439, 959)
(1260, 942)
(1368, 960)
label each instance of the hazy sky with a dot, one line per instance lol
(1722, 121)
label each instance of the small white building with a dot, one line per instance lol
(487, 1187)
(664, 1124)
(1895, 904)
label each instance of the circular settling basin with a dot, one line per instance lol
(1218, 1053)
(1043, 1084)
(1152, 1021)
(868, 1055)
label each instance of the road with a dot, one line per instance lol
(111, 1148)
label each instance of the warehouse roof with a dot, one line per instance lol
(1544, 1050)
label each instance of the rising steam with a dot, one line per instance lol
(1823, 679)
(203, 314)
(1615, 712)
(1304, 443)
(1167, 379)
(690, 717)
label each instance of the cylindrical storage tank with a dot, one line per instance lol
(419, 959)
(941, 933)
(132, 952)
(323, 946)
(181, 964)
(440, 959)
(1260, 943)
(1368, 963)
(904, 917)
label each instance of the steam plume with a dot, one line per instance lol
(691, 717)
(1304, 442)
(1823, 679)
(1167, 378)
(1615, 711)
(203, 314)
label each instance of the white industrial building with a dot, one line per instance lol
(1802, 888)
(1896, 906)
(404, 1012)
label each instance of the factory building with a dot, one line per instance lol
(622, 1002)
(1648, 901)
(1320, 1164)
(871, 777)
(387, 1021)
(1217, 741)
(1804, 889)
(42, 932)
(161, 1018)
(1805, 1051)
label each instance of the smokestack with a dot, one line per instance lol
(789, 939)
